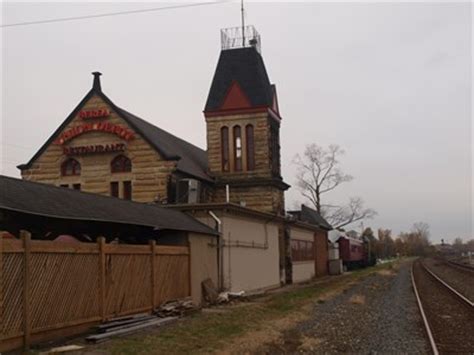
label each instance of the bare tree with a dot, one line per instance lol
(421, 229)
(319, 173)
(341, 216)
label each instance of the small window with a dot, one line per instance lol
(70, 167)
(225, 148)
(121, 164)
(237, 149)
(64, 185)
(114, 189)
(302, 250)
(250, 147)
(76, 186)
(127, 190)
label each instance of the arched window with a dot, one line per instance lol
(70, 167)
(225, 148)
(250, 147)
(237, 149)
(121, 164)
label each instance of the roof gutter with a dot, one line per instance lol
(220, 254)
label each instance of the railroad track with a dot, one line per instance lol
(447, 315)
(460, 266)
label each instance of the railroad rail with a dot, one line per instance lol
(448, 316)
(460, 266)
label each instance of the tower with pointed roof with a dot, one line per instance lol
(243, 126)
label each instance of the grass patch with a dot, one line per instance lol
(208, 332)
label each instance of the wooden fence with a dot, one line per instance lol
(50, 289)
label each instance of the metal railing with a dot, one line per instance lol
(240, 37)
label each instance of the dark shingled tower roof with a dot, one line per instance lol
(246, 67)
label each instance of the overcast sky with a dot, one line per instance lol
(389, 82)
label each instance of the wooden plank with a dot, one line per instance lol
(126, 249)
(157, 322)
(131, 311)
(152, 265)
(12, 246)
(42, 246)
(102, 261)
(26, 237)
(11, 343)
(171, 250)
(111, 326)
(59, 326)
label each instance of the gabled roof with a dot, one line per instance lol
(192, 160)
(244, 66)
(59, 202)
(311, 216)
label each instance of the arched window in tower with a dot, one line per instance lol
(275, 148)
(225, 148)
(70, 167)
(250, 147)
(121, 164)
(237, 148)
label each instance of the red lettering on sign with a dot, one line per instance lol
(120, 131)
(93, 149)
(101, 112)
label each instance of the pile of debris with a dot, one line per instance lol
(212, 296)
(176, 308)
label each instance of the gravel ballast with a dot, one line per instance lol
(461, 280)
(378, 315)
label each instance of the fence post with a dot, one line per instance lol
(102, 261)
(26, 237)
(153, 262)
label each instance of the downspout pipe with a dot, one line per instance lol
(219, 250)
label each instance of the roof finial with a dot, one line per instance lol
(96, 85)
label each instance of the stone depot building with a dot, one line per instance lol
(103, 149)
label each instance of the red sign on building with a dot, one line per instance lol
(101, 112)
(118, 130)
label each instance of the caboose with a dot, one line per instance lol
(352, 252)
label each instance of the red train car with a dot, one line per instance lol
(352, 252)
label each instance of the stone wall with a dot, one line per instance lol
(261, 198)
(261, 137)
(256, 188)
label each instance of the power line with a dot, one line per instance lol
(110, 14)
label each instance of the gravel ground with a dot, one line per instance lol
(376, 316)
(461, 280)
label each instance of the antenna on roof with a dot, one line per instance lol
(243, 22)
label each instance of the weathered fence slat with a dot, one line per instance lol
(26, 237)
(102, 276)
(49, 289)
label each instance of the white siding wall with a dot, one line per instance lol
(302, 270)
